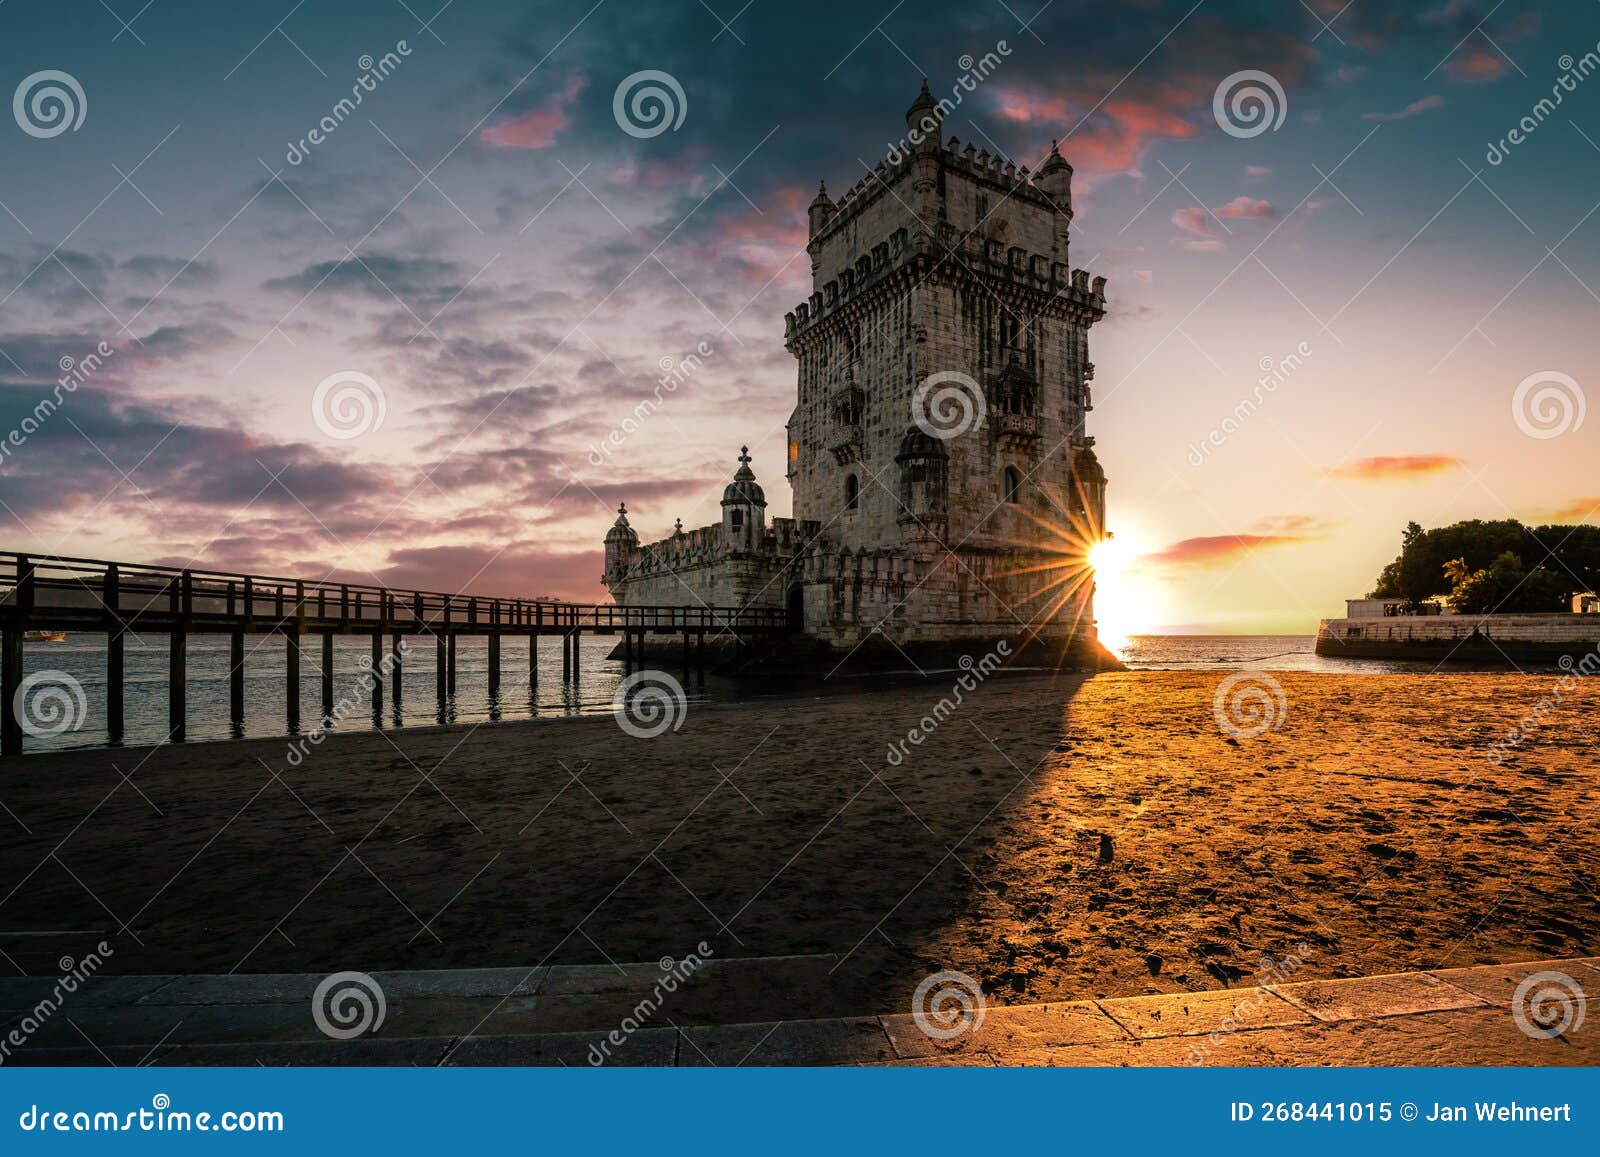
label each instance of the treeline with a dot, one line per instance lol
(1499, 566)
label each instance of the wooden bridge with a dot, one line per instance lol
(53, 593)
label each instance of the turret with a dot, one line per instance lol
(821, 210)
(1055, 178)
(622, 547)
(923, 119)
(744, 508)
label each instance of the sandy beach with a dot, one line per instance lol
(1055, 837)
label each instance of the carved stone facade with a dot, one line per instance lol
(945, 489)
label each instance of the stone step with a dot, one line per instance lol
(1458, 1016)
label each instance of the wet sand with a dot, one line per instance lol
(1054, 837)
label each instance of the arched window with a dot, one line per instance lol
(1011, 485)
(852, 492)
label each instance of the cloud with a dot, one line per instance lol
(1579, 509)
(537, 127)
(1415, 108)
(1218, 550)
(1476, 66)
(1397, 466)
(1203, 222)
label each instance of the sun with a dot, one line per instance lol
(1118, 606)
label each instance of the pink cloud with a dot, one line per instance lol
(1398, 466)
(1247, 208)
(1415, 108)
(536, 128)
(1476, 67)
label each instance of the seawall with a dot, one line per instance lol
(1460, 638)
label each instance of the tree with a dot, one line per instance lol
(1479, 564)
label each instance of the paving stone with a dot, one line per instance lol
(426, 1051)
(1497, 983)
(86, 1056)
(836, 1041)
(1375, 996)
(298, 987)
(1220, 1011)
(1017, 1027)
(646, 1047)
(25, 992)
(1236, 1049)
(1490, 1036)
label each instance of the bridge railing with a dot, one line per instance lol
(43, 587)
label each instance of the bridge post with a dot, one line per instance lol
(10, 681)
(577, 654)
(566, 657)
(377, 678)
(438, 673)
(533, 663)
(236, 681)
(114, 651)
(494, 667)
(396, 673)
(327, 678)
(686, 652)
(291, 666)
(178, 660)
(450, 665)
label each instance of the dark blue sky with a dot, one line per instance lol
(509, 269)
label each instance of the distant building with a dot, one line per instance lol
(945, 489)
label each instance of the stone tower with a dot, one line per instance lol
(944, 385)
(946, 491)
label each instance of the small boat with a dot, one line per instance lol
(44, 636)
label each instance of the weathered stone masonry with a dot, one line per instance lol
(948, 264)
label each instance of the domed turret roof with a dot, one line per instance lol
(924, 106)
(1087, 466)
(918, 443)
(620, 530)
(822, 200)
(1052, 163)
(744, 488)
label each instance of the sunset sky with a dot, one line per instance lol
(484, 241)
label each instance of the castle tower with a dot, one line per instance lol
(943, 380)
(744, 508)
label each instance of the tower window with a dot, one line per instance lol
(1011, 485)
(737, 519)
(852, 492)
